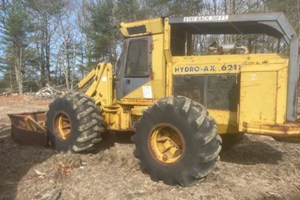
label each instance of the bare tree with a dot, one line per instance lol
(46, 16)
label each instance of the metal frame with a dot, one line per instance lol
(274, 24)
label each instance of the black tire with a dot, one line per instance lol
(198, 132)
(229, 140)
(86, 123)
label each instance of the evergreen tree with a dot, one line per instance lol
(99, 31)
(16, 32)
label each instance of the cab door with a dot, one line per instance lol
(135, 67)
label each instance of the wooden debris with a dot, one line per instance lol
(48, 92)
(41, 174)
(64, 169)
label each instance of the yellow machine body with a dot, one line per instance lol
(260, 84)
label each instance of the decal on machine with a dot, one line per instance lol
(147, 92)
(228, 68)
(206, 18)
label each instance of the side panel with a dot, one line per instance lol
(258, 97)
(263, 95)
(236, 89)
(101, 89)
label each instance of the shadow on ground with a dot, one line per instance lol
(246, 152)
(15, 162)
(109, 139)
(249, 152)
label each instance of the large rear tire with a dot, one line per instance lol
(74, 123)
(176, 141)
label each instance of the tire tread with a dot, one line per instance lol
(88, 117)
(204, 135)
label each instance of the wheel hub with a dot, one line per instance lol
(62, 125)
(166, 144)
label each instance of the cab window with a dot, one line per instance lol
(137, 62)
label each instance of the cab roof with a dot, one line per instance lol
(273, 24)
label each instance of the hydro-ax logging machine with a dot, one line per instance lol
(179, 97)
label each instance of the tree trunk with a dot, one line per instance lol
(47, 45)
(18, 70)
(10, 81)
(21, 72)
(82, 61)
(67, 78)
(298, 16)
(73, 66)
(215, 6)
(41, 65)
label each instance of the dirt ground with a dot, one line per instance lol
(257, 168)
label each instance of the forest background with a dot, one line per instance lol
(57, 42)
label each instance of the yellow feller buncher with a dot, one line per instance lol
(179, 96)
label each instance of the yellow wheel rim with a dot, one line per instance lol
(62, 125)
(166, 144)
